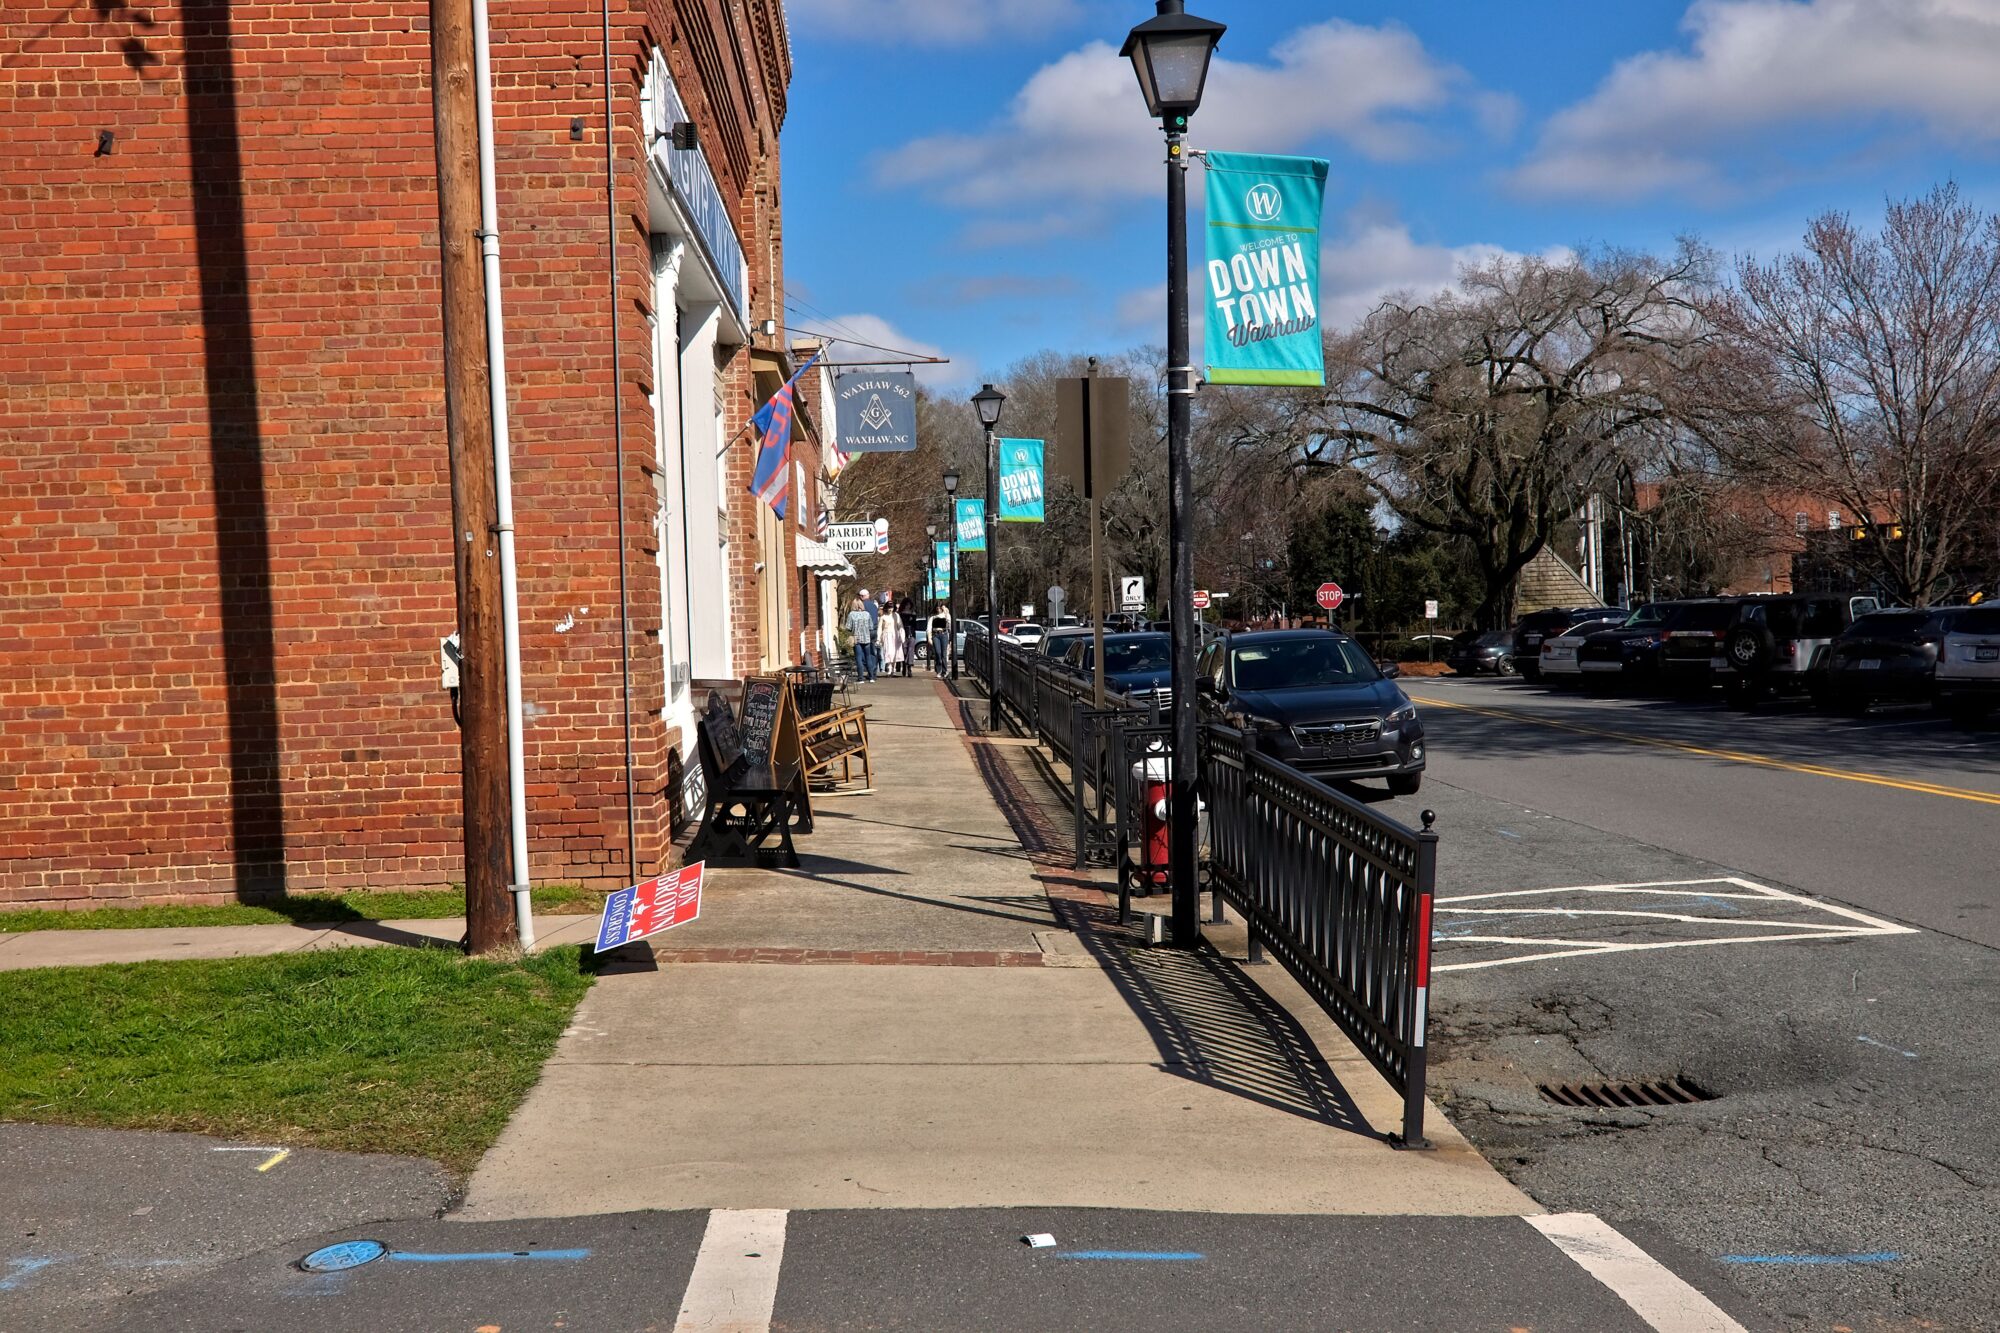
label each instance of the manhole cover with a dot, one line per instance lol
(347, 1254)
(1626, 1094)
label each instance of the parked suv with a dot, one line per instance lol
(1968, 668)
(1311, 698)
(1779, 644)
(1691, 660)
(1532, 628)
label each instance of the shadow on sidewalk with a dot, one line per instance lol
(1211, 1023)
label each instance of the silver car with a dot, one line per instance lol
(1968, 666)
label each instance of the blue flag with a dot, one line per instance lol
(1263, 269)
(972, 525)
(773, 479)
(1020, 481)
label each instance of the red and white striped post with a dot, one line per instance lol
(1420, 975)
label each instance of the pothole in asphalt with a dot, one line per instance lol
(1627, 1094)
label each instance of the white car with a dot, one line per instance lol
(1968, 665)
(1027, 634)
(1558, 659)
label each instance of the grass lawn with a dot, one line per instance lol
(369, 905)
(416, 1051)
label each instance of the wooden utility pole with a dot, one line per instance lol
(468, 415)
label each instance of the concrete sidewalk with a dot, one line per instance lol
(925, 1015)
(86, 948)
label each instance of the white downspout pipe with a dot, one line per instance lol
(503, 477)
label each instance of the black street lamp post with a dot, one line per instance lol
(1170, 53)
(989, 401)
(951, 585)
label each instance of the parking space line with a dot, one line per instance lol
(1853, 924)
(1733, 756)
(1665, 1301)
(734, 1286)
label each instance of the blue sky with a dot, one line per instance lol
(978, 176)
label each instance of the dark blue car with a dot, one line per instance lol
(1315, 700)
(1139, 665)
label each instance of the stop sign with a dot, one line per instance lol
(1201, 599)
(1330, 596)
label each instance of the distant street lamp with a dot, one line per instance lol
(951, 585)
(1170, 53)
(988, 402)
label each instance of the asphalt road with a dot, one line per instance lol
(1902, 816)
(1811, 948)
(922, 1271)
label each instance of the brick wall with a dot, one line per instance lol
(224, 514)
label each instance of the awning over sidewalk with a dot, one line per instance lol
(822, 559)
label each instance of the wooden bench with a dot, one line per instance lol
(837, 736)
(748, 810)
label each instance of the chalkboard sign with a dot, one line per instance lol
(763, 697)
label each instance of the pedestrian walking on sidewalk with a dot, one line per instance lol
(889, 642)
(874, 610)
(861, 626)
(906, 612)
(940, 639)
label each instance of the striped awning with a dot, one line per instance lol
(817, 555)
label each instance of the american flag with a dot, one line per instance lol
(772, 482)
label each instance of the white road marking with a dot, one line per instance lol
(734, 1286)
(1852, 924)
(1655, 1294)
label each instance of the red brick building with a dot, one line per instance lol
(224, 516)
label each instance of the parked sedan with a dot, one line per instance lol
(1314, 700)
(1475, 654)
(1024, 633)
(1887, 656)
(1536, 626)
(1057, 641)
(1560, 668)
(1968, 669)
(1627, 653)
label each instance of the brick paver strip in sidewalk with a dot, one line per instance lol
(856, 957)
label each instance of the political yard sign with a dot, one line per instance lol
(876, 412)
(646, 909)
(1263, 269)
(1020, 481)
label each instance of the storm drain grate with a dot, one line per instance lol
(1629, 1093)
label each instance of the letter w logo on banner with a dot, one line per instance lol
(1263, 269)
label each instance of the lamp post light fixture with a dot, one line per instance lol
(1170, 53)
(988, 402)
(951, 585)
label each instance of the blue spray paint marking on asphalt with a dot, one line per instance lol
(1878, 1257)
(1907, 1055)
(1138, 1256)
(482, 1257)
(20, 1270)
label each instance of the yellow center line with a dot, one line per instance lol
(1733, 756)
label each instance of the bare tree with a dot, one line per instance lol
(1866, 370)
(1488, 413)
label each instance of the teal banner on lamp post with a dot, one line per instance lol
(1020, 481)
(1263, 269)
(972, 525)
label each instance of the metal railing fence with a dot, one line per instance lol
(1339, 893)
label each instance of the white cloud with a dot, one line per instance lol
(927, 22)
(888, 341)
(1657, 120)
(1077, 130)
